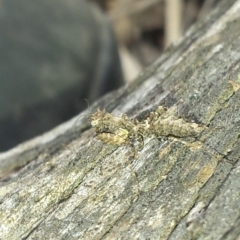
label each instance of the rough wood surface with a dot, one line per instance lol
(67, 184)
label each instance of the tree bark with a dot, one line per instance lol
(67, 184)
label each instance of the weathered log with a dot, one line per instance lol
(67, 184)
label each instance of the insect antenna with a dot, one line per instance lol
(83, 115)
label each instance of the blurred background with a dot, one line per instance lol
(144, 28)
(57, 53)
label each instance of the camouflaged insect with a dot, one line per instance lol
(160, 123)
